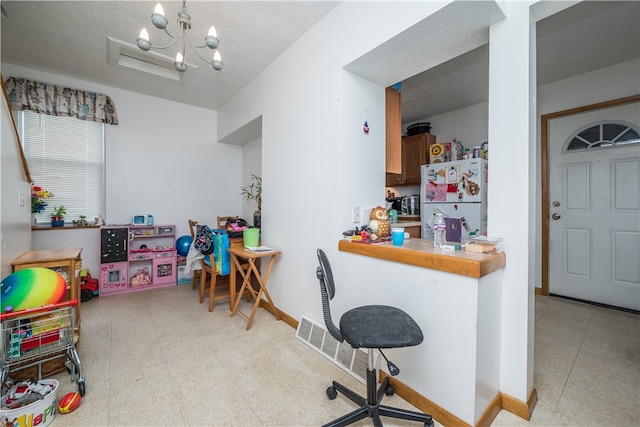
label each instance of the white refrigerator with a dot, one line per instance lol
(458, 189)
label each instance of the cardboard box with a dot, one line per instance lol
(436, 153)
(184, 279)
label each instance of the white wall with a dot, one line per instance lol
(15, 220)
(315, 154)
(469, 125)
(163, 159)
(251, 164)
(316, 161)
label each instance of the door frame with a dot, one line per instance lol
(544, 172)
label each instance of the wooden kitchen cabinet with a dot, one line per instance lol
(414, 231)
(393, 132)
(414, 151)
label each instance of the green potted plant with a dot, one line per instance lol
(81, 221)
(57, 216)
(253, 191)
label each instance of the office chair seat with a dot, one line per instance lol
(371, 327)
(379, 326)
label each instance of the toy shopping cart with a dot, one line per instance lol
(37, 335)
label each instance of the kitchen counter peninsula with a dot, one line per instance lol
(455, 297)
(421, 253)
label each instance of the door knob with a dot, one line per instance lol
(556, 216)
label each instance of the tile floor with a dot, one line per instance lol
(159, 358)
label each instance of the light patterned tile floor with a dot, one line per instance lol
(149, 365)
(159, 358)
(587, 366)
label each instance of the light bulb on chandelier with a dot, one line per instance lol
(184, 25)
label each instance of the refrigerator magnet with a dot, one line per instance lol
(452, 174)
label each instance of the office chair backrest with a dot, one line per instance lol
(327, 291)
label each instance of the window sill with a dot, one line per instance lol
(40, 227)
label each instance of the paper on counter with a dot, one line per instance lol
(259, 248)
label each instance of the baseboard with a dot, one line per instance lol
(283, 316)
(491, 412)
(518, 407)
(538, 291)
(438, 413)
(446, 418)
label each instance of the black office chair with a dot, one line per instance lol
(370, 327)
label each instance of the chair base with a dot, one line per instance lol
(371, 406)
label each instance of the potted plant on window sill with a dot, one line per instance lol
(253, 191)
(57, 216)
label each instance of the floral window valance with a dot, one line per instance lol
(46, 98)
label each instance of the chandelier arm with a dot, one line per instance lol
(167, 46)
(169, 34)
(193, 48)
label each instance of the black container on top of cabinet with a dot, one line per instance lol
(418, 128)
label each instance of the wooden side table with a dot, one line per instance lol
(253, 271)
(52, 258)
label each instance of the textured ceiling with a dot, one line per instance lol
(582, 38)
(70, 38)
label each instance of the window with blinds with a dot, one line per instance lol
(66, 157)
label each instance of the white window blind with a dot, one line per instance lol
(66, 157)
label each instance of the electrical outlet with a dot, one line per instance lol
(20, 197)
(356, 215)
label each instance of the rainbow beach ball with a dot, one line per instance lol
(31, 287)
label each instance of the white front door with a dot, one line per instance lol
(594, 208)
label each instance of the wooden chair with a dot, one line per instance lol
(222, 221)
(235, 242)
(217, 287)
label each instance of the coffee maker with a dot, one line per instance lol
(410, 205)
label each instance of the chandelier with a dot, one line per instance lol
(184, 27)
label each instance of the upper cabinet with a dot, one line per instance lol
(415, 153)
(394, 131)
(404, 156)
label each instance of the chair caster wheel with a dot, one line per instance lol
(389, 390)
(331, 392)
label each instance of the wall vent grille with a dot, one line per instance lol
(313, 333)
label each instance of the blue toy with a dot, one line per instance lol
(183, 244)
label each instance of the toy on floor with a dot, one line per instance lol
(69, 402)
(89, 287)
(26, 392)
(31, 287)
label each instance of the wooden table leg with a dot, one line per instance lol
(245, 282)
(232, 283)
(263, 287)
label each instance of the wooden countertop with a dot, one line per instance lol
(48, 255)
(421, 253)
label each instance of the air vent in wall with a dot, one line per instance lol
(314, 334)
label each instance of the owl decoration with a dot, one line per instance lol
(379, 224)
